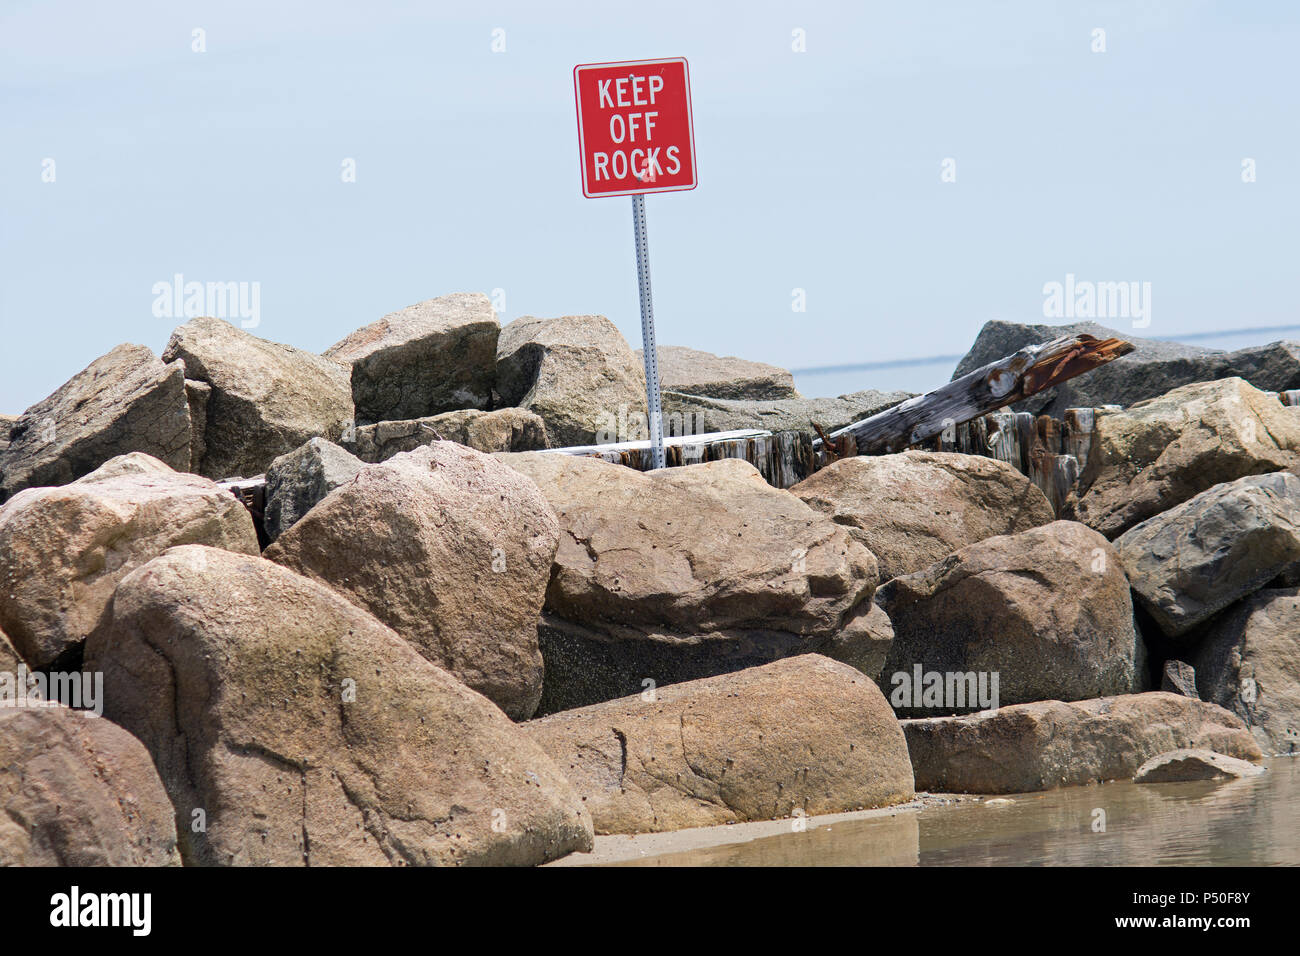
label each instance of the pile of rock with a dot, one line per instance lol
(450, 645)
(1153, 368)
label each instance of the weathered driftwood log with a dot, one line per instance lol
(996, 385)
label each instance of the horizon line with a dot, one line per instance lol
(937, 359)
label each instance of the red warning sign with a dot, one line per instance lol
(634, 127)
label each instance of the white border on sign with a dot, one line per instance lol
(690, 125)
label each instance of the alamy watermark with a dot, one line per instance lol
(175, 298)
(951, 690)
(631, 424)
(31, 689)
(1084, 299)
(74, 909)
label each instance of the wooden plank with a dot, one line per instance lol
(1042, 454)
(996, 385)
(1004, 438)
(783, 459)
(977, 434)
(1080, 426)
(674, 441)
(1025, 433)
(1051, 434)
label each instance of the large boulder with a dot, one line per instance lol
(1046, 610)
(297, 481)
(1153, 368)
(64, 550)
(806, 733)
(1190, 562)
(915, 508)
(1049, 744)
(1163, 451)
(122, 402)
(506, 429)
(689, 572)
(1249, 662)
(450, 549)
(265, 399)
(576, 372)
(291, 728)
(688, 414)
(76, 790)
(435, 356)
(702, 373)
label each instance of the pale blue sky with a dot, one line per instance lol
(818, 170)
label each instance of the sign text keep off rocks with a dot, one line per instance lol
(634, 127)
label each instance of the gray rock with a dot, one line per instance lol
(1179, 677)
(506, 429)
(266, 399)
(703, 373)
(1153, 369)
(6, 422)
(296, 481)
(695, 414)
(1192, 561)
(576, 372)
(1049, 744)
(1048, 610)
(435, 356)
(1179, 766)
(122, 402)
(1249, 662)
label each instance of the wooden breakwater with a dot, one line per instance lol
(963, 415)
(782, 458)
(1050, 452)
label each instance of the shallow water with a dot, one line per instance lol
(1253, 822)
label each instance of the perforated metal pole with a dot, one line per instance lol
(653, 399)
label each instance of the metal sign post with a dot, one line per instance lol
(651, 353)
(635, 136)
